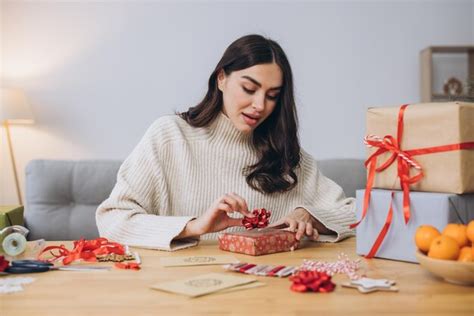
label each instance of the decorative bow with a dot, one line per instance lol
(312, 281)
(260, 220)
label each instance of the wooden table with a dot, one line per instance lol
(125, 292)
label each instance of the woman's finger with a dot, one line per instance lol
(292, 224)
(301, 230)
(309, 229)
(234, 222)
(225, 207)
(231, 201)
(315, 235)
(243, 205)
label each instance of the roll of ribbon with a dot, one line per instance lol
(14, 244)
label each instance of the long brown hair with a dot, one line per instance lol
(276, 138)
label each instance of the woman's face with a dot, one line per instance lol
(250, 95)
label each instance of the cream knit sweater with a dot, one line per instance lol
(176, 171)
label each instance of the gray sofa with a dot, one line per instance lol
(62, 196)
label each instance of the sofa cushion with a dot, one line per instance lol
(350, 174)
(62, 197)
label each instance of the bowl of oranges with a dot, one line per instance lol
(448, 254)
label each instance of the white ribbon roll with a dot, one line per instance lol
(14, 244)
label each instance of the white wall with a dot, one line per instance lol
(98, 73)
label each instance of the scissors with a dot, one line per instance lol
(34, 266)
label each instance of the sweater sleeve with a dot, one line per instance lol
(132, 215)
(325, 201)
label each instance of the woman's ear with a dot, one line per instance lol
(221, 80)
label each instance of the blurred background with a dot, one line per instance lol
(97, 73)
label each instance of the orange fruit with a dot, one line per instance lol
(424, 236)
(444, 247)
(465, 254)
(470, 231)
(457, 232)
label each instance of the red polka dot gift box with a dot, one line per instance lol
(257, 242)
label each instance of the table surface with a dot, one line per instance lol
(126, 292)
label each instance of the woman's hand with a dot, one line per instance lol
(216, 218)
(303, 223)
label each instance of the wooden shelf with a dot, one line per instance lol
(426, 78)
(437, 97)
(450, 49)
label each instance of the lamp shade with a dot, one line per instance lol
(14, 107)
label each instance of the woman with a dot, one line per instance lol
(196, 173)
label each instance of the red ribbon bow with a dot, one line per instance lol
(3, 263)
(260, 220)
(85, 249)
(312, 281)
(405, 163)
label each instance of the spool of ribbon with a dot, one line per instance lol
(14, 243)
(405, 162)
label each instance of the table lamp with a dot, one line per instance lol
(14, 109)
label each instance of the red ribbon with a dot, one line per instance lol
(3, 263)
(86, 250)
(260, 220)
(128, 265)
(312, 281)
(405, 163)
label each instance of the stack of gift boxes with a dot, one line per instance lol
(420, 171)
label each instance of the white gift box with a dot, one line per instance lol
(426, 208)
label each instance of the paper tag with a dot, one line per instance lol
(196, 260)
(203, 284)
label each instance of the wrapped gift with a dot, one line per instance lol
(427, 208)
(435, 139)
(11, 215)
(258, 242)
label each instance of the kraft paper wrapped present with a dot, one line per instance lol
(428, 125)
(427, 208)
(258, 242)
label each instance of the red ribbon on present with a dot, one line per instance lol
(86, 250)
(260, 220)
(405, 163)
